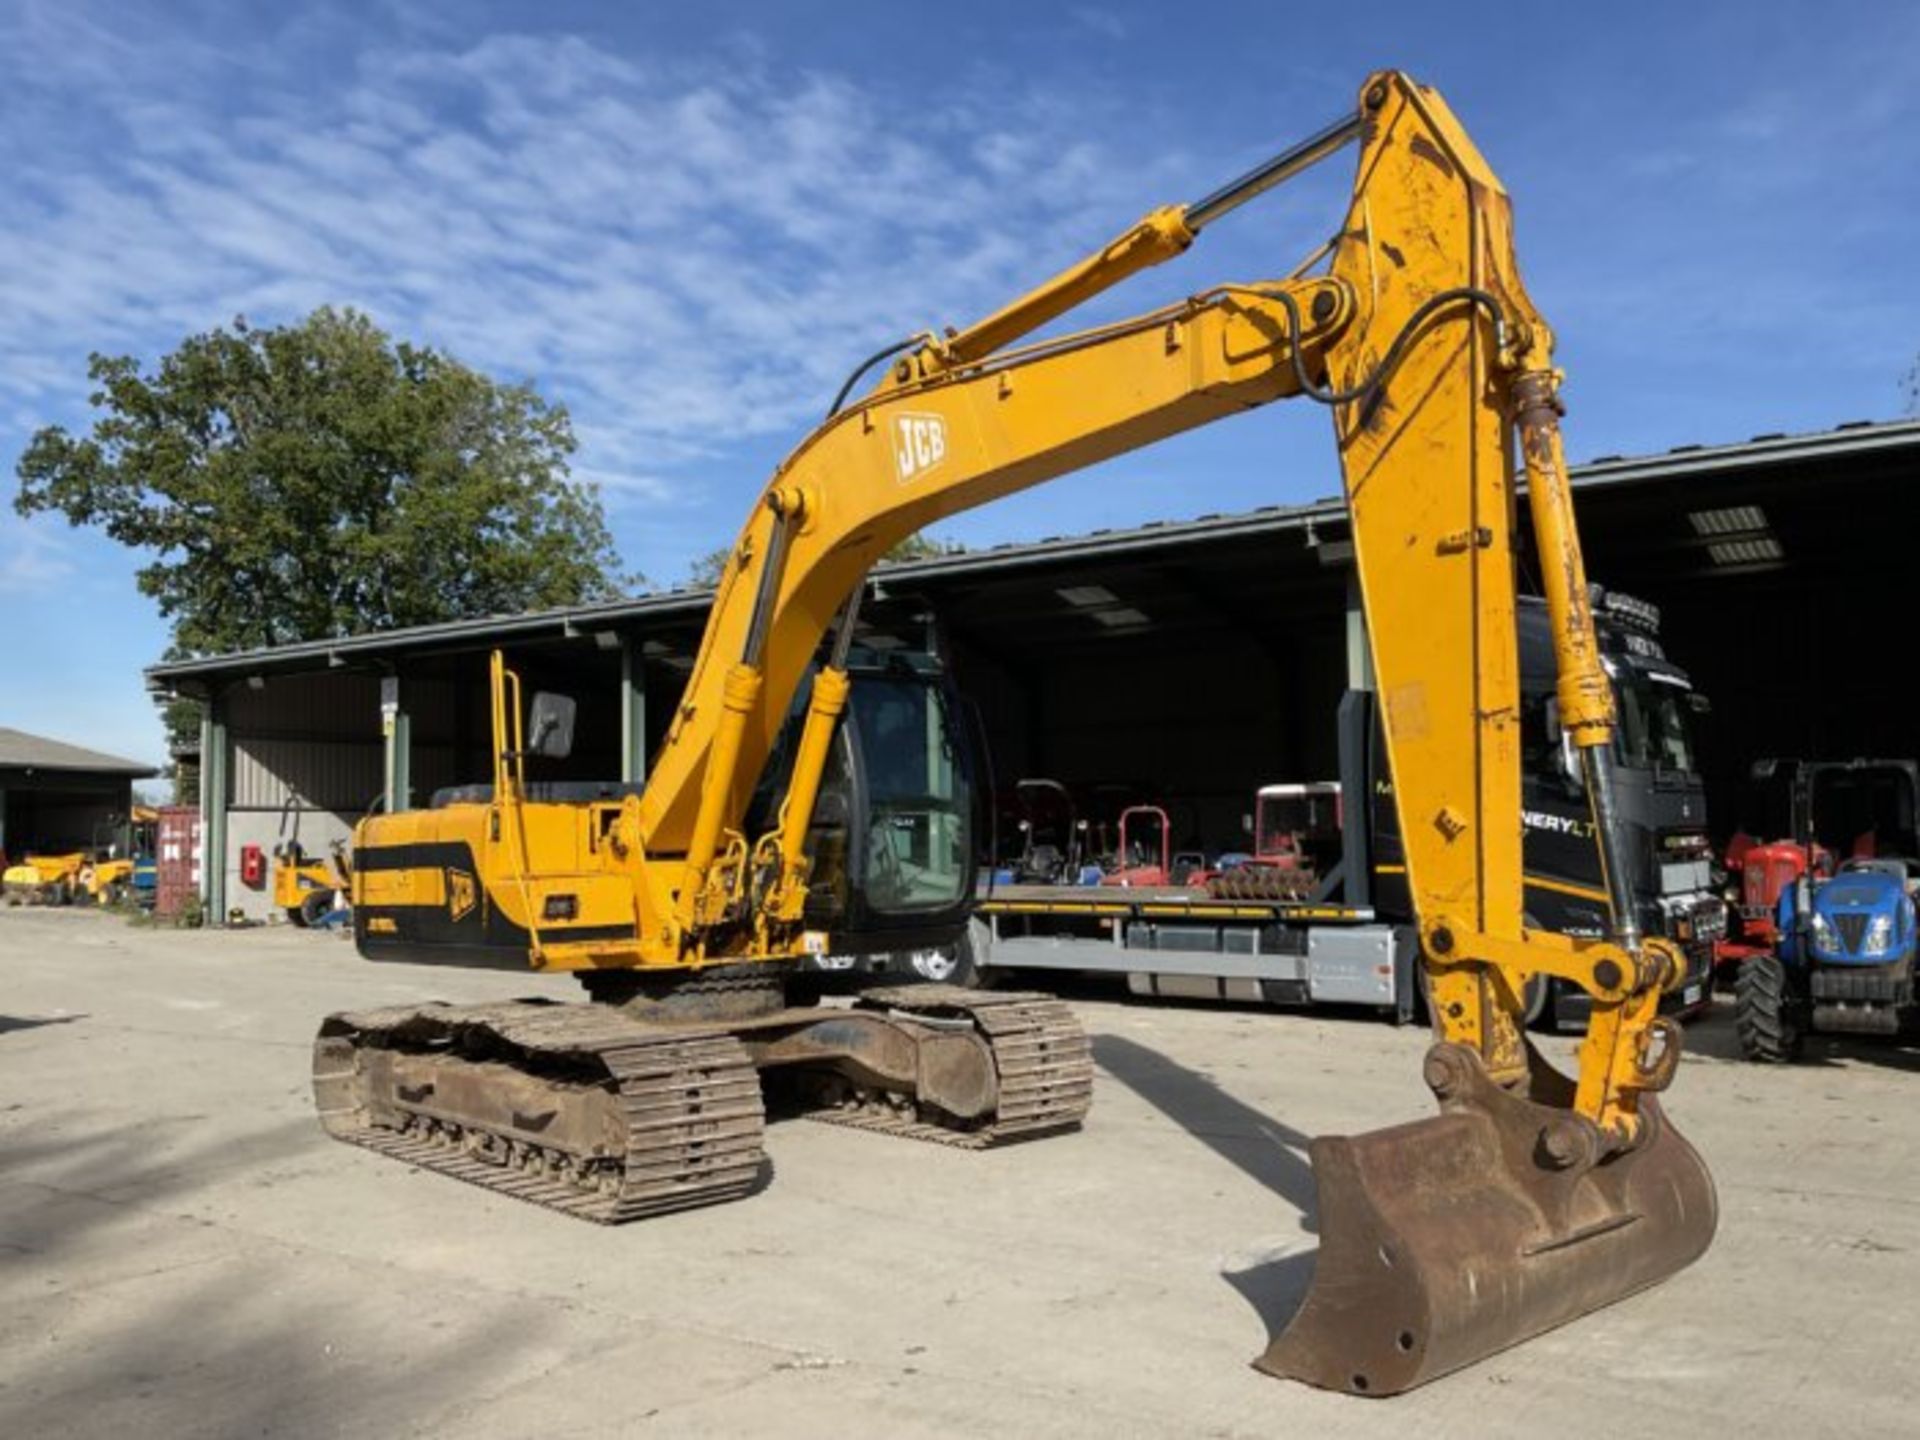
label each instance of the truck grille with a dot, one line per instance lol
(1680, 877)
(1878, 988)
(1852, 925)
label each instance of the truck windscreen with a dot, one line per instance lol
(1654, 733)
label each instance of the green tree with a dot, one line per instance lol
(319, 479)
(707, 569)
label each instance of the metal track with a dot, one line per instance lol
(687, 1116)
(691, 1105)
(1040, 1053)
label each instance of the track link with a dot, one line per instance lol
(686, 1108)
(1040, 1054)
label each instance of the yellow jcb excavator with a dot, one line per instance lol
(1530, 1199)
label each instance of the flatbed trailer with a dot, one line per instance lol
(1177, 942)
(1352, 941)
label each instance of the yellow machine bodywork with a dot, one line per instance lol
(304, 886)
(106, 877)
(294, 881)
(44, 879)
(1533, 1197)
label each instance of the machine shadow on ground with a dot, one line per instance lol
(1267, 1151)
(10, 1023)
(59, 1187)
(1714, 1038)
(197, 1332)
(212, 1349)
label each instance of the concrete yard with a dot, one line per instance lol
(182, 1253)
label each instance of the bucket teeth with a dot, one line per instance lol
(1447, 1240)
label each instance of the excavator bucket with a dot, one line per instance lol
(1446, 1240)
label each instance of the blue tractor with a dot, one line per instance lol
(1844, 962)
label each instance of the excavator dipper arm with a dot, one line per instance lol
(1533, 1197)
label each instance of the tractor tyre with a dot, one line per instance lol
(1764, 1012)
(295, 917)
(315, 906)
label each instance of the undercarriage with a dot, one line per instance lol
(618, 1111)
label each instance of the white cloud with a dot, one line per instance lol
(33, 559)
(689, 256)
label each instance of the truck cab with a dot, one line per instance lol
(1661, 804)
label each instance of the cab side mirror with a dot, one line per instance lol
(1566, 754)
(550, 726)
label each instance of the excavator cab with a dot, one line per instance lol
(892, 838)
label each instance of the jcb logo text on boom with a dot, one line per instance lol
(919, 444)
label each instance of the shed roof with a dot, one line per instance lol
(1692, 469)
(21, 751)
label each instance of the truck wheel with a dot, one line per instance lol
(949, 966)
(960, 965)
(1763, 1015)
(1538, 998)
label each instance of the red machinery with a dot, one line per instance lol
(1295, 826)
(1758, 871)
(1135, 864)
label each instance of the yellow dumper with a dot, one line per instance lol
(44, 879)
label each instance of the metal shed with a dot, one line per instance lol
(1196, 658)
(57, 797)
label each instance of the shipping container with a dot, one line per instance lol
(177, 851)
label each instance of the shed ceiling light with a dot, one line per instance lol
(1732, 520)
(1085, 597)
(1756, 551)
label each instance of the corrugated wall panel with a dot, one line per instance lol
(338, 775)
(329, 705)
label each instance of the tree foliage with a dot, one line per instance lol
(708, 568)
(319, 479)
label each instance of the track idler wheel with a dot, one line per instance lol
(1446, 1240)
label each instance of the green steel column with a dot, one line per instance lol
(633, 712)
(213, 809)
(400, 797)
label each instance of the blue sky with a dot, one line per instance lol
(686, 222)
